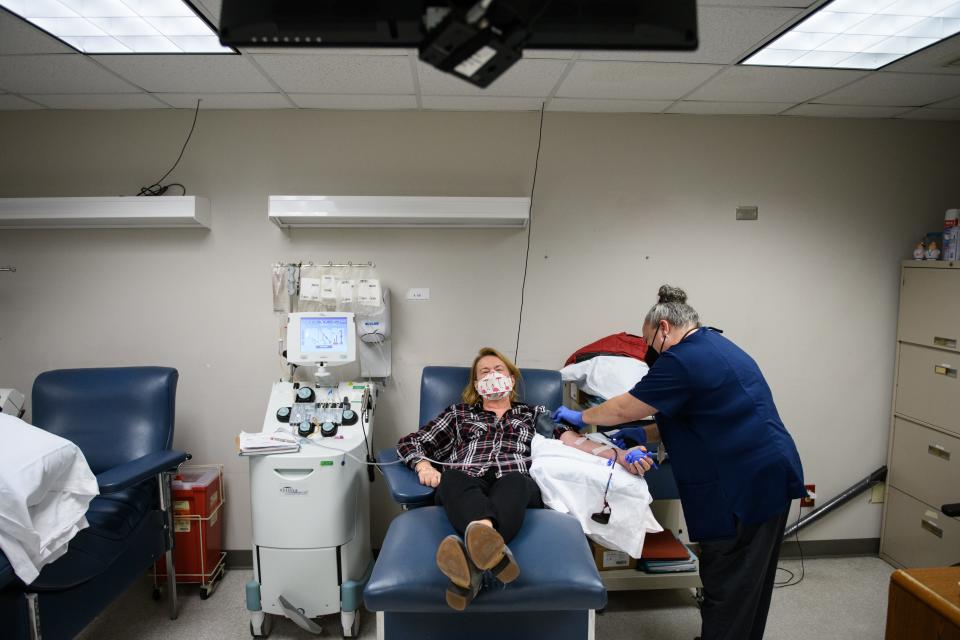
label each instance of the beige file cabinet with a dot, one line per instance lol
(924, 457)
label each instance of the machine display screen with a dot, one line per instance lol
(324, 335)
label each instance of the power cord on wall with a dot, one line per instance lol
(526, 259)
(792, 580)
(158, 188)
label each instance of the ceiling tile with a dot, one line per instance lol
(16, 103)
(327, 51)
(642, 80)
(608, 106)
(549, 54)
(473, 103)
(211, 9)
(947, 104)
(932, 114)
(359, 102)
(844, 111)
(772, 84)
(932, 59)
(20, 37)
(58, 74)
(726, 35)
(98, 101)
(527, 78)
(339, 74)
(760, 3)
(729, 108)
(895, 89)
(225, 100)
(189, 73)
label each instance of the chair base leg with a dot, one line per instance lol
(171, 585)
(33, 616)
(163, 479)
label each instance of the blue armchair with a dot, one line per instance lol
(558, 589)
(122, 419)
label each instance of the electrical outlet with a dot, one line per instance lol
(809, 501)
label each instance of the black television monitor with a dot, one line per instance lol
(475, 39)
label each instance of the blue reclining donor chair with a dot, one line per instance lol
(559, 587)
(122, 419)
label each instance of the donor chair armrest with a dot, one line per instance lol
(136, 471)
(403, 482)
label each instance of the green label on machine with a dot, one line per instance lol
(326, 463)
(359, 387)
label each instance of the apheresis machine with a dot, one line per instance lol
(310, 504)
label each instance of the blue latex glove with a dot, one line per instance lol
(571, 417)
(637, 455)
(618, 437)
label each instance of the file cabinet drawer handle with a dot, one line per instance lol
(938, 451)
(932, 528)
(950, 343)
(945, 370)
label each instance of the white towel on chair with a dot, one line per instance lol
(46, 486)
(573, 481)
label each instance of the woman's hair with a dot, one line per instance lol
(470, 395)
(672, 306)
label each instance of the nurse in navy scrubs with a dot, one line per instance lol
(736, 466)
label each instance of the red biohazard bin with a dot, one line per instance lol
(197, 501)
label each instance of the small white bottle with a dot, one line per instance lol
(951, 235)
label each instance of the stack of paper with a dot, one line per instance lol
(259, 444)
(663, 553)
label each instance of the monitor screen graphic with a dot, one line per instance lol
(328, 335)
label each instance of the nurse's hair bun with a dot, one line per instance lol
(671, 294)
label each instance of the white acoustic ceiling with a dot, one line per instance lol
(38, 72)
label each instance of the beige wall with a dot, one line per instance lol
(623, 203)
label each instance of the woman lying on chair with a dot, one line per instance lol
(485, 488)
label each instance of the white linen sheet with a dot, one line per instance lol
(46, 486)
(573, 481)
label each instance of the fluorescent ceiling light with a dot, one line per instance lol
(861, 34)
(121, 26)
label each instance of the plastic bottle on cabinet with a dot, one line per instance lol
(951, 235)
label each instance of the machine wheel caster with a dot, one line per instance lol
(351, 623)
(698, 598)
(156, 593)
(263, 626)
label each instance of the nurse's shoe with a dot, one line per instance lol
(465, 578)
(486, 548)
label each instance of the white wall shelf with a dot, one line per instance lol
(398, 211)
(105, 213)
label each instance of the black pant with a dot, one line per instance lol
(738, 575)
(503, 500)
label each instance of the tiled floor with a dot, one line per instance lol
(839, 598)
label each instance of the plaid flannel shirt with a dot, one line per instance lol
(467, 433)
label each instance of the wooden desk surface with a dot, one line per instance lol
(938, 588)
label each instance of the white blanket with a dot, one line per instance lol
(45, 489)
(572, 481)
(605, 376)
